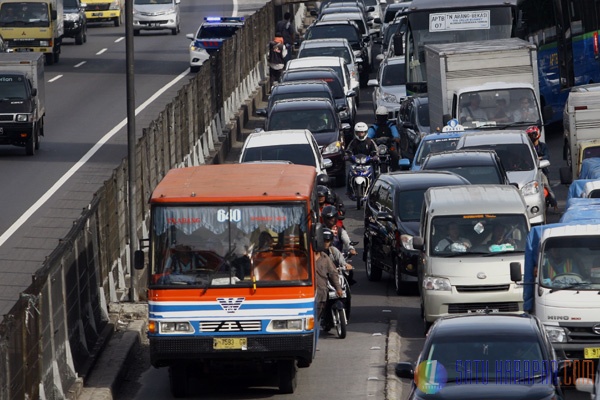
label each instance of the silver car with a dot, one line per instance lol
(156, 15)
(521, 163)
(390, 85)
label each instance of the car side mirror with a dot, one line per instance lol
(314, 13)
(404, 164)
(261, 112)
(350, 93)
(405, 370)
(34, 92)
(380, 57)
(327, 163)
(372, 82)
(544, 163)
(190, 36)
(138, 259)
(384, 216)
(341, 107)
(346, 127)
(418, 243)
(370, 9)
(515, 272)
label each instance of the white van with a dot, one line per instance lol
(297, 146)
(469, 236)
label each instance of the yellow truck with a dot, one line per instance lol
(33, 26)
(104, 10)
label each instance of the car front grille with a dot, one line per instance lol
(487, 288)
(230, 326)
(467, 308)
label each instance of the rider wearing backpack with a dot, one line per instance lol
(386, 128)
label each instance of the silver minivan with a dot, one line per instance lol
(156, 15)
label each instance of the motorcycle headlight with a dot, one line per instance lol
(71, 17)
(382, 149)
(433, 283)
(532, 187)
(556, 334)
(407, 242)
(332, 148)
(388, 97)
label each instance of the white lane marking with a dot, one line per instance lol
(57, 77)
(119, 39)
(63, 179)
(101, 51)
(234, 13)
(80, 64)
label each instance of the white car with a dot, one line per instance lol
(210, 37)
(338, 65)
(156, 15)
(296, 146)
(334, 47)
(390, 85)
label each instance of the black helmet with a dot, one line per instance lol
(329, 212)
(327, 234)
(331, 197)
(322, 191)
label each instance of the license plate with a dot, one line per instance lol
(230, 343)
(22, 50)
(483, 310)
(99, 14)
(591, 352)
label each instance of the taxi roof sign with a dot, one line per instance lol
(224, 19)
(453, 126)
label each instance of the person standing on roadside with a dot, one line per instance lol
(288, 32)
(276, 62)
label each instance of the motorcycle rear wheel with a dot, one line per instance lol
(339, 318)
(359, 196)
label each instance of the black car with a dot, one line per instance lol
(75, 22)
(332, 79)
(298, 90)
(413, 117)
(347, 30)
(477, 166)
(485, 356)
(392, 215)
(320, 117)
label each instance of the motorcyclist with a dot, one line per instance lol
(336, 255)
(384, 128)
(341, 240)
(335, 200)
(361, 144)
(542, 152)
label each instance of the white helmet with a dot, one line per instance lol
(381, 110)
(360, 131)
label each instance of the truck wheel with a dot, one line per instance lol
(178, 380)
(117, 21)
(398, 282)
(287, 376)
(80, 38)
(31, 144)
(136, 33)
(304, 363)
(56, 57)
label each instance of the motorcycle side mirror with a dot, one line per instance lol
(405, 370)
(418, 243)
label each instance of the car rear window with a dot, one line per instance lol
(315, 120)
(344, 31)
(334, 83)
(409, 203)
(296, 153)
(300, 95)
(326, 51)
(221, 32)
(394, 75)
(435, 146)
(476, 174)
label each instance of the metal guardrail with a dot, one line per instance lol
(51, 336)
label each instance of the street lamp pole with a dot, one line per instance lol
(131, 156)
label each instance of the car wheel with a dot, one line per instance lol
(194, 68)
(287, 376)
(136, 33)
(30, 146)
(79, 38)
(174, 31)
(85, 33)
(373, 271)
(117, 21)
(398, 283)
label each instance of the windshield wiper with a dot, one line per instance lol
(501, 252)
(512, 124)
(573, 286)
(531, 378)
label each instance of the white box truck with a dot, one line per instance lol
(581, 124)
(22, 100)
(484, 84)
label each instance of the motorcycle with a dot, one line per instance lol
(337, 309)
(362, 176)
(384, 144)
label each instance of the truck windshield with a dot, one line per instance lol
(477, 234)
(13, 87)
(230, 246)
(452, 25)
(493, 108)
(570, 263)
(24, 14)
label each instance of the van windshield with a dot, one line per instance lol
(478, 234)
(570, 263)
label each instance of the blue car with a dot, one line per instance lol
(432, 143)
